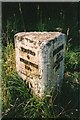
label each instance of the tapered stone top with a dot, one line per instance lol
(37, 36)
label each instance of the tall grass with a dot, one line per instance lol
(19, 102)
(17, 98)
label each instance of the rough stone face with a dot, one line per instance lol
(40, 59)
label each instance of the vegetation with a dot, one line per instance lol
(17, 98)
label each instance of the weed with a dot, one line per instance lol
(17, 99)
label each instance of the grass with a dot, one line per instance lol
(19, 102)
(17, 98)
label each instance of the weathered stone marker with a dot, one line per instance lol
(40, 59)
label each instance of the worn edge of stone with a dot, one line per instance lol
(49, 35)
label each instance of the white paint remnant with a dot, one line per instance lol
(40, 59)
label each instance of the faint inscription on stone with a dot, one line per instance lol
(40, 59)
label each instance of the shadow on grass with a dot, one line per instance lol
(67, 100)
(23, 104)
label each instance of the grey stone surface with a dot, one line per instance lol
(40, 59)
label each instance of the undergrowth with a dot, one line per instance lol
(17, 98)
(19, 102)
